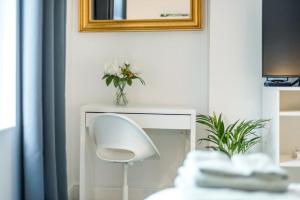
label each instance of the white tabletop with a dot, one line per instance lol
(139, 108)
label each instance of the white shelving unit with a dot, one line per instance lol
(282, 106)
(290, 113)
(288, 161)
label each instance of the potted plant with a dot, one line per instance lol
(236, 138)
(121, 75)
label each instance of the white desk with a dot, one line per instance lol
(148, 117)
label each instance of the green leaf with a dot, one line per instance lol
(238, 137)
(129, 82)
(105, 76)
(116, 81)
(141, 80)
(109, 80)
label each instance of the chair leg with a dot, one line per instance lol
(125, 184)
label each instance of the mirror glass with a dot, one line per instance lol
(140, 9)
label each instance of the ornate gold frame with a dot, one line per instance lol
(87, 24)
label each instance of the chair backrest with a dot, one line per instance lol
(119, 139)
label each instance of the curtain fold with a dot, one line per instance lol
(42, 99)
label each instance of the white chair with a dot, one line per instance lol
(119, 139)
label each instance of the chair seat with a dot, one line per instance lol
(115, 155)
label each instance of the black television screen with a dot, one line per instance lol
(281, 38)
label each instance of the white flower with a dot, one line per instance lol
(119, 72)
(134, 69)
(123, 66)
(126, 62)
(113, 68)
(116, 63)
(107, 68)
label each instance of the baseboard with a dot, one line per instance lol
(114, 193)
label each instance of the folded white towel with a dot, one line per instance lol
(186, 180)
(245, 172)
(239, 165)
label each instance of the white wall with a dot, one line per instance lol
(235, 84)
(174, 65)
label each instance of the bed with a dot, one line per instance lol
(214, 176)
(224, 194)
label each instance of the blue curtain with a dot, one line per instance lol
(42, 99)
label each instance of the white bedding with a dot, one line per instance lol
(210, 175)
(224, 194)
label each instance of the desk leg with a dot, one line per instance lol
(86, 163)
(82, 181)
(193, 132)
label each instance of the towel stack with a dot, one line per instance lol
(254, 172)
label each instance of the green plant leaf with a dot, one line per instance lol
(116, 81)
(238, 137)
(109, 80)
(140, 79)
(129, 82)
(105, 76)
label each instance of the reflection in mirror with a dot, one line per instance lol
(140, 9)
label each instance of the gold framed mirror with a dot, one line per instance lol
(139, 15)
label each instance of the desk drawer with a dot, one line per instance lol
(152, 121)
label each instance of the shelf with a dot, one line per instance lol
(282, 136)
(288, 161)
(290, 113)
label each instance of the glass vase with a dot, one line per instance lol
(121, 99)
